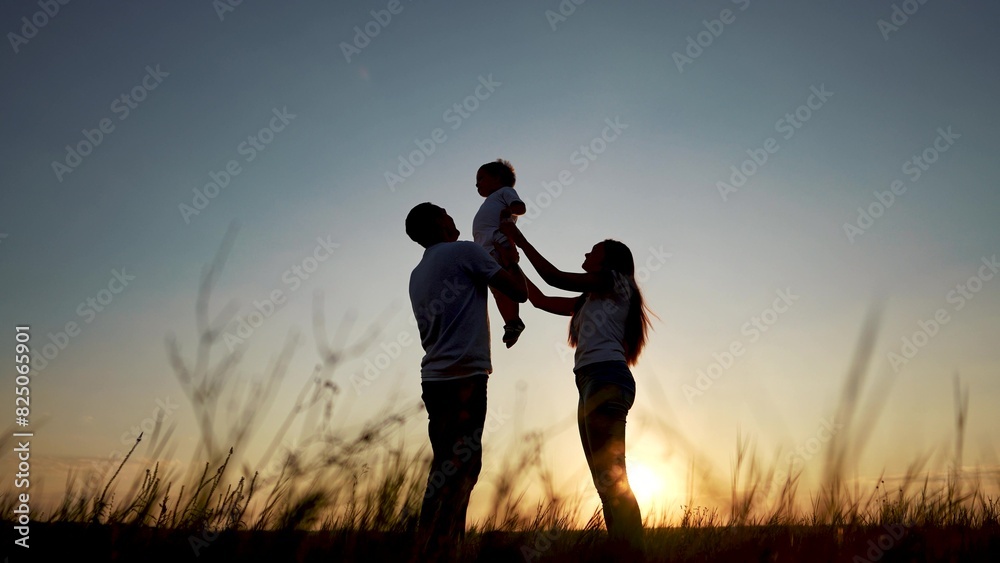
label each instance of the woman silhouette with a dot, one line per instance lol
(608, 326)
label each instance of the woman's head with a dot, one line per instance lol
(609, 255)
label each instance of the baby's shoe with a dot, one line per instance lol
(512, 331)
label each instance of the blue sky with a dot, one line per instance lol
(714, 263)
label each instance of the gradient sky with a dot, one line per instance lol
(711, 263)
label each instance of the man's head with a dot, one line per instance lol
(495, 175)
(428, 224)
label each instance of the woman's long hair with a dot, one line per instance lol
(618, 258)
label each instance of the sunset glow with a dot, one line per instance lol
(204, 242)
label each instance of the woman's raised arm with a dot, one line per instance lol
(550, 274)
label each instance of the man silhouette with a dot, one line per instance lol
(448, 290)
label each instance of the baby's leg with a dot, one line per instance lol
(508, 307)
(509, 310)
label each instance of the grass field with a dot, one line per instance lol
(723, 543)
(340, 497)
(357, 498)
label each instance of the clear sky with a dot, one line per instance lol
(777, 168)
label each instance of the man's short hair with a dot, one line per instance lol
(422, 223)
(502, 170)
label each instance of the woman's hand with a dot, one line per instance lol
(510, 230)
(506, 253)
(554, 276)
(556, 305)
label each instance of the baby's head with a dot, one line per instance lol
(495, 175)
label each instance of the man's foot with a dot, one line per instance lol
(512, 331)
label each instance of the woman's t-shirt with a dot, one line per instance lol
(600, 324)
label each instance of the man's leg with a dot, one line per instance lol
(457, 412)
(468, 449)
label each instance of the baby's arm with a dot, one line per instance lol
(514, 204)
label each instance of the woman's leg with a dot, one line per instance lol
(602, 414)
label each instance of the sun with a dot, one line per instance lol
(646, 483)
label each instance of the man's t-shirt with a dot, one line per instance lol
(448, 291)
